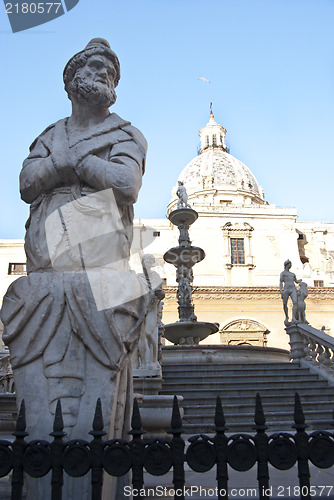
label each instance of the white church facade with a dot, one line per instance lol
(246, 241)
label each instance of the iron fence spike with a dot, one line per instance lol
(259, 417)
(58, 423)
(219, 414)
(98, 417)
(136, 419)
(299, 417)
(176, 422)
(21, 420)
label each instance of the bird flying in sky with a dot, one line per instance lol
(204, 79)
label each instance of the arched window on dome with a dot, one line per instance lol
(207, 141)
(214, 140)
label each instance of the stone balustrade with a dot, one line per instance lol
(313, 349)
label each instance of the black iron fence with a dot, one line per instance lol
(157, 456)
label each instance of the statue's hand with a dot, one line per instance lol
(85, 162)
(63, 158)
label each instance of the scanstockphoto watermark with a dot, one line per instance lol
(188, 492)
(201, 492)
(26, 14)
(88, 235)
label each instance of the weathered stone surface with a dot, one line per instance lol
(145, 359)
(73, 322)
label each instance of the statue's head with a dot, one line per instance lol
(148, 261)
(92, 74)
(180, 183)
(288, 263)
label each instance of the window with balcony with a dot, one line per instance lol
(237, 251)
(238, 245)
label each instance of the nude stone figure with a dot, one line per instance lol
(182, 195)
(288, 289)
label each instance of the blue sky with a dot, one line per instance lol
(271, 67)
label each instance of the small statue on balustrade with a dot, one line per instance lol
(288, 289)
(302, 293)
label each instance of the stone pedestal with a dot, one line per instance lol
(147, 385)
(156, 414)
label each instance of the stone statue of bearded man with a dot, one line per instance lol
(72, 323)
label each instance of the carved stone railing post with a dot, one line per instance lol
(313, 350)
(297, 344)
(307, 349)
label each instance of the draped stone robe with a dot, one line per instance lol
(73, 322)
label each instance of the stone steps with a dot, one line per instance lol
(274, 426)
(237, 385)
(241, 384)
(248, 417)
(234, 367)
(206, 393)
(228, 378)
(268, 407)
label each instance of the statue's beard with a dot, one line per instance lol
(92, 93)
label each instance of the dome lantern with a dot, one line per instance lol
(212, 135)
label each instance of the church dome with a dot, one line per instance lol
(215, 176)
(214, 168)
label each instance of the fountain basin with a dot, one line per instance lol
(189, 332)
(183, 216)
